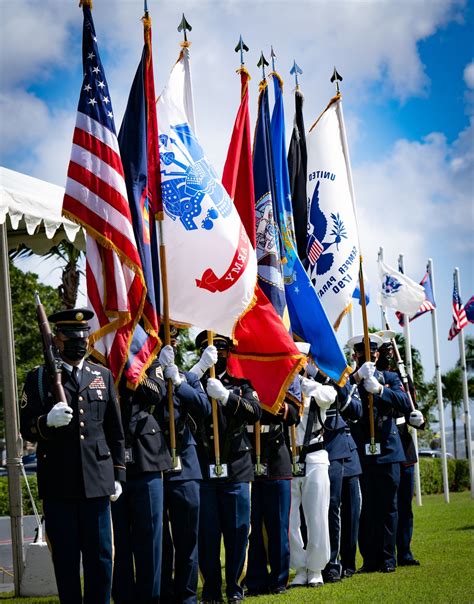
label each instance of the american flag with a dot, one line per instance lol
(427, 306)
(315, 250)
(96, 198)
(459, 314)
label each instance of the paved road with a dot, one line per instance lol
(29, 526)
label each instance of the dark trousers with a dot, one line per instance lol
(225, 511)
(405, 512)
(271, 500)
(336, 473)
(350, 514)
(138, 526)
(76, 527)
(180, 542)
(378, 519)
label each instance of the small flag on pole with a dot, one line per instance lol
(427, 306)
(398, 291)
(459, 315)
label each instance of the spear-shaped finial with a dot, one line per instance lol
(336, 77)
(273, 56)
(241, 46)
(262, 63)
(295, 70)
(183, 26)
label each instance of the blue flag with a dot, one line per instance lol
(307, 316)
(268, 244)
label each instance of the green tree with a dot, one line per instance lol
(453, 395)
(28, 346)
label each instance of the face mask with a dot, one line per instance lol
(75, 349)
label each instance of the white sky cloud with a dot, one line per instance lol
(469, 75)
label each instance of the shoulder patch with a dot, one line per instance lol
(24, 400)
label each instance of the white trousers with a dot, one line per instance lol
(312, 491)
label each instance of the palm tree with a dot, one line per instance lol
(70, 255)
(453, 395)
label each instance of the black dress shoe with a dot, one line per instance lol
(348, 573)
(367, 569)
(331, 576)
(387, 568)
(281, 589)
(409, 562)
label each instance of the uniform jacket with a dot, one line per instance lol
(387, 406)
(191, 405)
(337, 439)
(83, 459)
(146, 448)
(242, 408)
(273, 445)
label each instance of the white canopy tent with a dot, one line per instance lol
(33, 208)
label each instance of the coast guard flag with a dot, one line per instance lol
(211, 266)
(333, 242)
(264, 351)
(459, 314)
(398, 291)
(96, 198)
(138, 140)
(308, 319)
(427, 305)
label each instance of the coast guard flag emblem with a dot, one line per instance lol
(211, 265)
(398, 291)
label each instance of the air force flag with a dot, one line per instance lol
(398, 291)
(332, 244)
(211, 265)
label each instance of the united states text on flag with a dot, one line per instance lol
(459, 315)
(96, 198)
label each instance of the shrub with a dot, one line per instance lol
(431, 475)
(27, 507)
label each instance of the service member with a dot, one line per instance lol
(225, 501)
(80, 460)
(380, 471)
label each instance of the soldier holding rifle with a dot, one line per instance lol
(69, 407)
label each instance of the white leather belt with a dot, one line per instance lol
(263, 429)
(399, 421)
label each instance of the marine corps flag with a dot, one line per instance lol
(264, 353)
(332, 246)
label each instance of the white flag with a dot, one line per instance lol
(211, 265)
(398, 291)
(333, 243)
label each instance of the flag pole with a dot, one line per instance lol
(409, 362)
(467, 414)
(336, 78)
(439, 389)
(382, 311)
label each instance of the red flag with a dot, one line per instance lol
(264, 353)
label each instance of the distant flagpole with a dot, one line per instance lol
(409, 362)
(467, 414)
(439, 389)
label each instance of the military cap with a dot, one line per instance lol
(357, 342)
(73, 322)
(220, 342)
(174, 331)
(387, 335)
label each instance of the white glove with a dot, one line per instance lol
(325, 395)
(166, 356)
(311, 369)
(118, 491)
(366, 371)
(216, 389)
(372, 385)
(172, 373)
(207, 360)
(307, 386)
(416, 419)
(59, 416)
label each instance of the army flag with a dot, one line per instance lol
(211, 265)
(308, 319)
(264, 351)
(333, 242)
(96, 198)
(398, 291)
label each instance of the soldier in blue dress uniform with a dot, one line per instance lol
(138, 515)
(380, 472)
(80, 460)
(179, 577)
(225, 501)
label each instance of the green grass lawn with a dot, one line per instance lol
(443, 542)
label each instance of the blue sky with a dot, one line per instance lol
(408, 95)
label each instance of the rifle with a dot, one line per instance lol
(52, 362)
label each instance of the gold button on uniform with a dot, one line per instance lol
(81, 411)
(82, 437)
(81, 424)
(81, 398)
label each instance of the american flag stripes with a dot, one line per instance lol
(96, 198)
(459, 314)
(315, 251)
